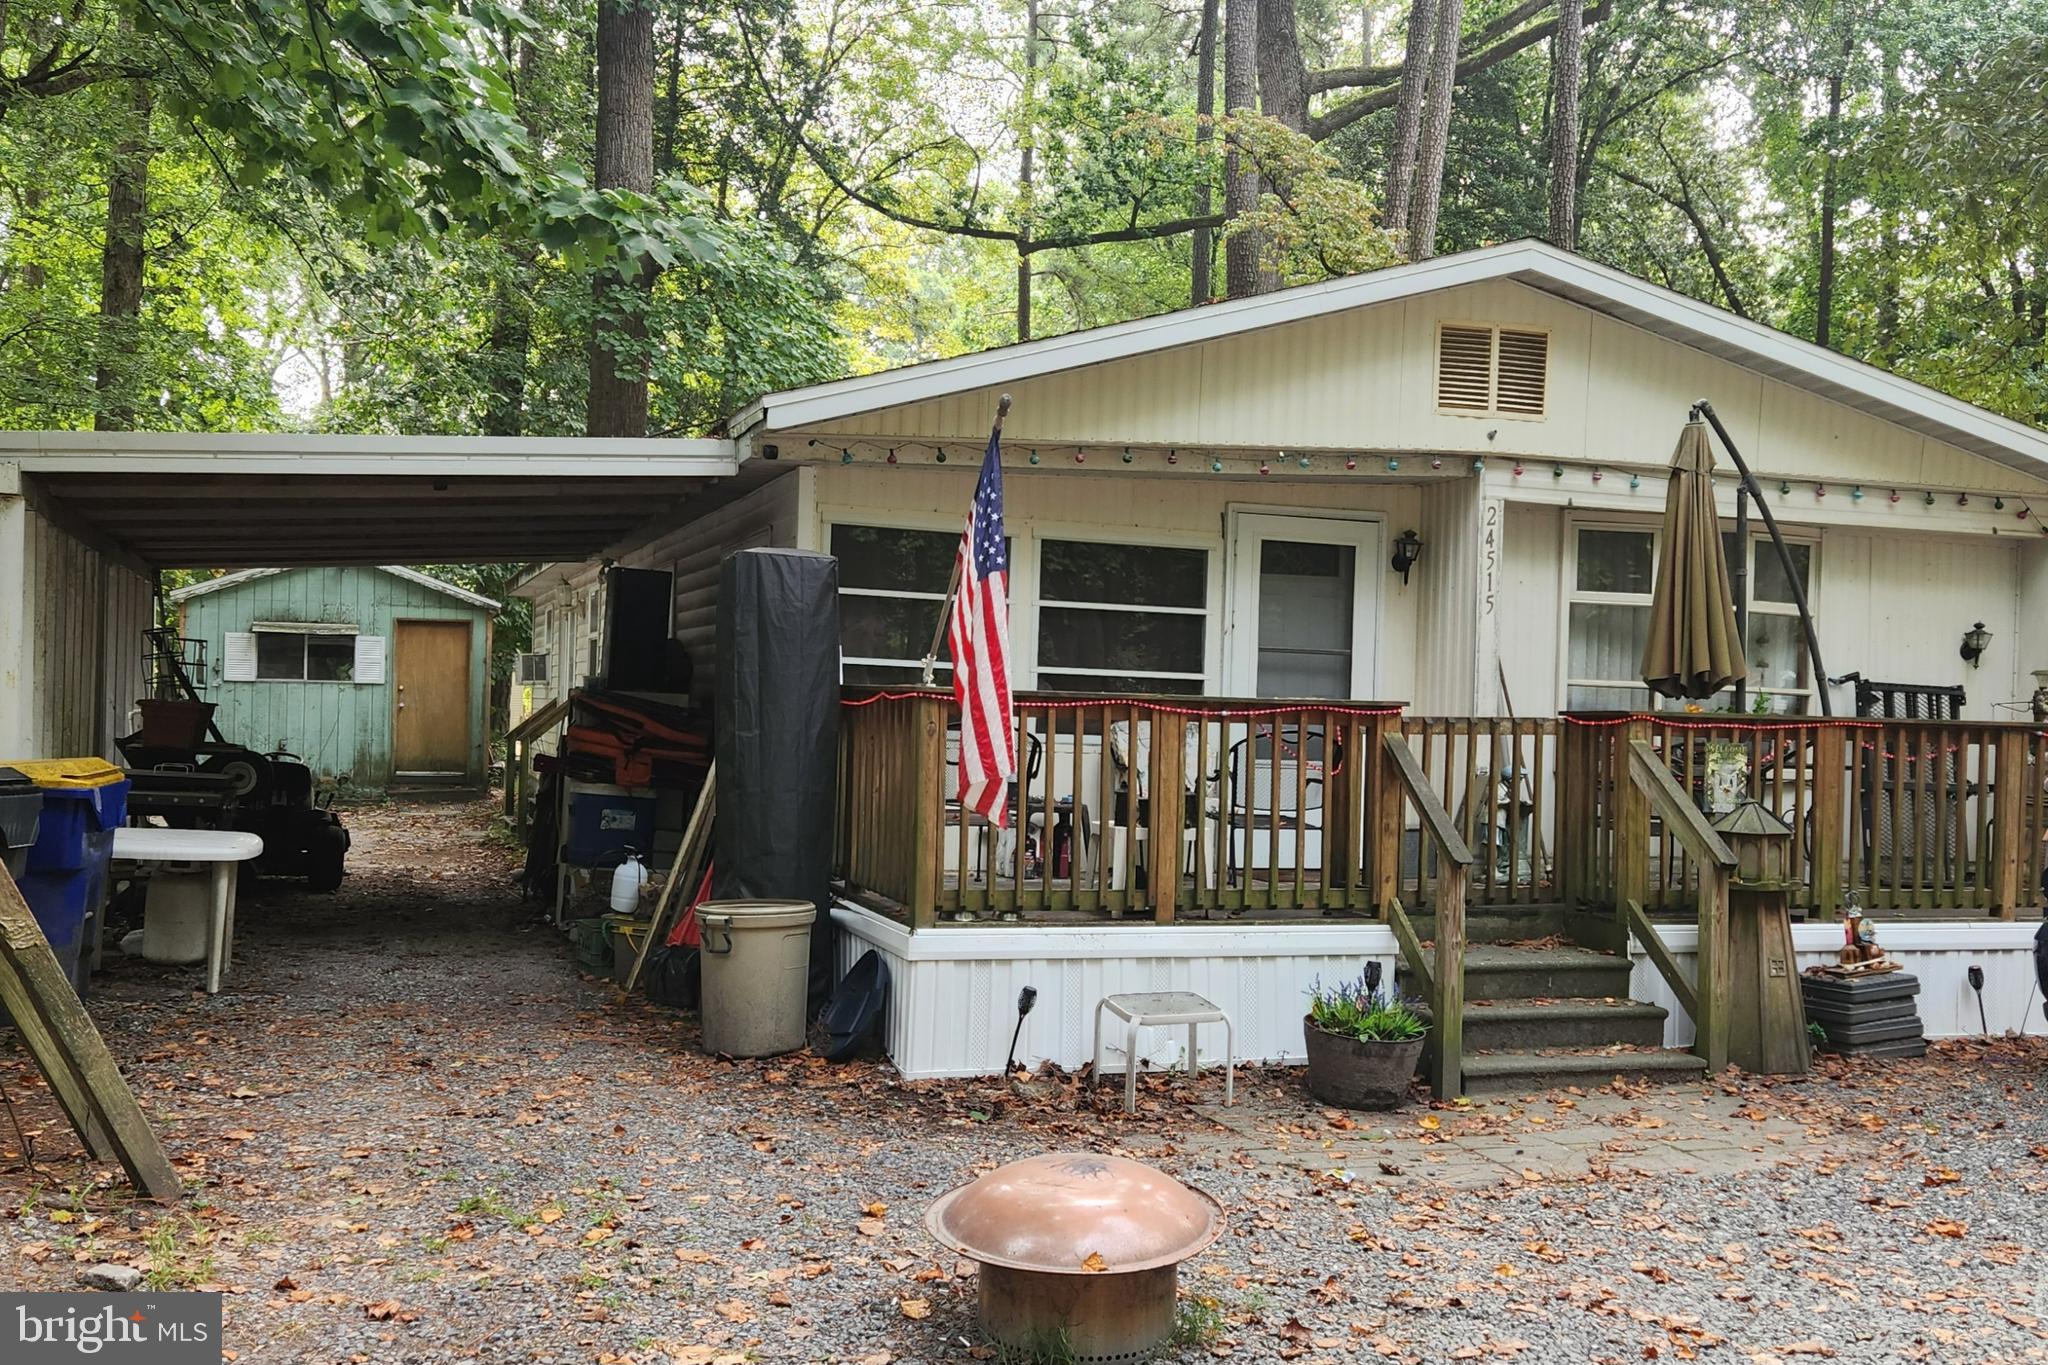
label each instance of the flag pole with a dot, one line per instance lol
(931, 656)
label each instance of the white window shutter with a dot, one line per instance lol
(369, 659)
(238, 659)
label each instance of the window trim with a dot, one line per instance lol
(1570, 594)
(1161, 538)
(930, 522)
(1492, 412)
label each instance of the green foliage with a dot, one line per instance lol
(1351, 1009)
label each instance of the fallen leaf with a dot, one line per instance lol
(1094, 1264)
(1947, 1227)
(382, 1311)
(915, 1308)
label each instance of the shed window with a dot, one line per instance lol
(290, 656)
(1121, 618)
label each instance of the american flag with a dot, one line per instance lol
(980, 633)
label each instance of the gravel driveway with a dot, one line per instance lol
(412, 1133)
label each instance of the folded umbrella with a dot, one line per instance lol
(1694, 648)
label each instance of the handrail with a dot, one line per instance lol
(1661, 958)
(1435, 818)
(1411, 947)
(1655, 781)
(543, 719)
(1446, 983)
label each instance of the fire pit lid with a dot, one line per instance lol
(1075, 1213)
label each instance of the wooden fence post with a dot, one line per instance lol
(1827, 860)
(1384, 811)
(2008, 805)
(1714, 981)
(927, 809)
(1573, 812)
(1631, 821)
(1449, 1005)
(1168, 807)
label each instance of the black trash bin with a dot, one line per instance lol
(21, 811)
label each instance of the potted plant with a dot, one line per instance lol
(1363, 1044)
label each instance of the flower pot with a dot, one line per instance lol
(174, 723)
(1353, 1074)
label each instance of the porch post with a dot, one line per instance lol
(17, 645)
(1168, 805)
(2008, 801)
(928, 809)
(1827, 858)
(1631, 823)
(1383, 812)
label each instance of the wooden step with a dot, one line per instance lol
(1548, 971)
(1522, 1073)
(1538, 1025)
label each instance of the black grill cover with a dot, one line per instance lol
(777, 736)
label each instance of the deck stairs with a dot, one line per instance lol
(1545, 1011)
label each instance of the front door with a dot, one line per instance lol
(430, 672)
(1304, 607)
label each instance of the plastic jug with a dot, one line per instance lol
(627, 879)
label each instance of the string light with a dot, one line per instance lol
(1997, 504)
(1479, 466)
(1127, 455)
(1436, 462)
(1149, 703)
(1557, 471)
(1034, 457)
(892, 456)
(1518, 469)
(1597, 476)
(846, 457)
(1265, 468)
(1895, 495)
(1173, 457)
(1856, 493)
(1351, 462)
(942, 453)
(1820, 490)
(1930, 499)
(1784, 488)
(1080, 457)
(1303, 462)
(1392, 464)
(1635, 481)
(1215, 466)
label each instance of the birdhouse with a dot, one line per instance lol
(1761, 842)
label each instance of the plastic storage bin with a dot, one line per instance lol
(606, 821)
(21, 806)
(65, 877)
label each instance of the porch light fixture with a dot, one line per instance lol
(1407, 549)
(1975, 641)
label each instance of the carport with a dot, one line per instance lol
(87, 519)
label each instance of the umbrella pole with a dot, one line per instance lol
(1820, 673)
(1741, 576)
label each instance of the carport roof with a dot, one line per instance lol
(185, 500)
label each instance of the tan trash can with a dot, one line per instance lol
(757, 973)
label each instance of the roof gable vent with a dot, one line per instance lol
(1492, 371)
(1464, 368)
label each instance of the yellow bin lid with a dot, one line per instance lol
(76, 773)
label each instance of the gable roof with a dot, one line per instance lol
(425, 580)
(1537, 265)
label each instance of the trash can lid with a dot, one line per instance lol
(758, 914)
(15, 780)
(67, 773)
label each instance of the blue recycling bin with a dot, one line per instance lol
(65, 882)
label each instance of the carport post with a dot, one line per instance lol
(17, 649)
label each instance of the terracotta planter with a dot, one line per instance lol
(1359, 1075)
(174, 723)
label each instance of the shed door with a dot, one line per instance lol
(430, 729)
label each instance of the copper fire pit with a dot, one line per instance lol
(1079, 1253)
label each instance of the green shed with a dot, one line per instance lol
(373, 675)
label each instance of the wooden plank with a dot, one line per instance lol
(2009, 798)
(1436, 820)
(1384, 807)
(926, 777)
(683, 875)
(70, 1053)
(1450, 984)
(1827, 804)
(1632, 879)
(1412, 952)
(1714, 991)
(1661, 958)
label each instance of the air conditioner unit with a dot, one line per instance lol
(533, 668)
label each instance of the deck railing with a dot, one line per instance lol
(1913, 817)
(1154, 807)
(1498, 780)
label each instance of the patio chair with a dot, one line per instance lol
(1132, 759)
(1274, 792)
(1034, 758)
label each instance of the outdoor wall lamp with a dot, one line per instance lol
(1407, 549)
(1975, 641)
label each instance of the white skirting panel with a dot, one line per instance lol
(953, 989)
(1939, 952)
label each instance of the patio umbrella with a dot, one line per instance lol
(1695, 649)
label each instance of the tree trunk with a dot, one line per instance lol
(1029, 141)
(121, 267)
(1436, 131)
(1283, 78)
(1202, 269)
(625, 160)
(1408, 114)
(673, 103)
(1565, 53)
(1240, 182)
(1824, 287)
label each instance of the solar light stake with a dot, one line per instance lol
(1977, 985)
(1026, 998)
